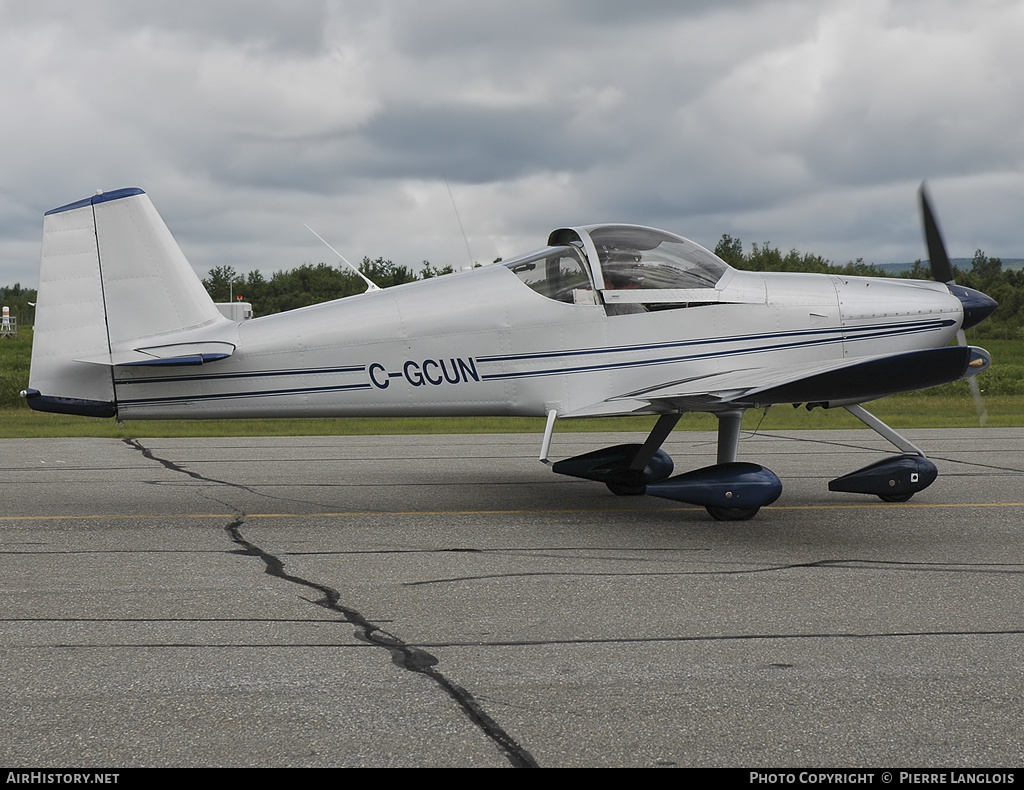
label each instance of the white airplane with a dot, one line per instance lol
(604, 320)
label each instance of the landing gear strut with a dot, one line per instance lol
(729, 424)
(893, 479)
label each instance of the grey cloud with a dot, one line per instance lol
(806, 124)
(274, 25)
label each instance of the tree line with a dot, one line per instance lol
(321, 282)
(308, 284)
(985, 274)
(313, 283)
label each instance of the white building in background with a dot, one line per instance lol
(8, 325)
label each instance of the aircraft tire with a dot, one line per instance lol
(732, 513)
(895, 497)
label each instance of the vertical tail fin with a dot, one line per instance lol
(110, 275)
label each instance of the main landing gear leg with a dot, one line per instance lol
(662, 428)
(626, 469)
(729, 423)
(728, 435)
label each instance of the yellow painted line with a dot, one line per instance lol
(519, 512)
(903, 505)
(340, 514)
(115, 516)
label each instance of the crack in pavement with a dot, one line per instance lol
(1001, 568)
(402, 654)
(135, 444)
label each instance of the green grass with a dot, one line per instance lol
(15, 355)
(949, 406)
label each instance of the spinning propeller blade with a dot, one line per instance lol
(942, 271)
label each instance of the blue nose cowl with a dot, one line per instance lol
(977, 306)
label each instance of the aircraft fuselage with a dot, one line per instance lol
(481, 343)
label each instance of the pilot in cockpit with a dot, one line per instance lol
(623, 270)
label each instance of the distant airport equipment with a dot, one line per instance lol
(9, 326)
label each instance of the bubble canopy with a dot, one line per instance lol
(618, 257)
(639, 257)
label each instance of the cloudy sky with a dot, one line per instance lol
(808, 124)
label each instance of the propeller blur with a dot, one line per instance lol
(977, 306)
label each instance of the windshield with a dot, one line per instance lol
(636, 257)
(555, 272)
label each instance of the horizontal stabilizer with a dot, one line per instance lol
(172, 354)
(192, 359)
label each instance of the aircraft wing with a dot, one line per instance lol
(837, 382)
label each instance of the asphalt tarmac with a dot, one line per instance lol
(449, 601)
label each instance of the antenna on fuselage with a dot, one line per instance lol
(465, 238)
(370, 285)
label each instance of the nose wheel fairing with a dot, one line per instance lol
(894, 479)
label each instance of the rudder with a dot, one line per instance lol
(111, 275)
